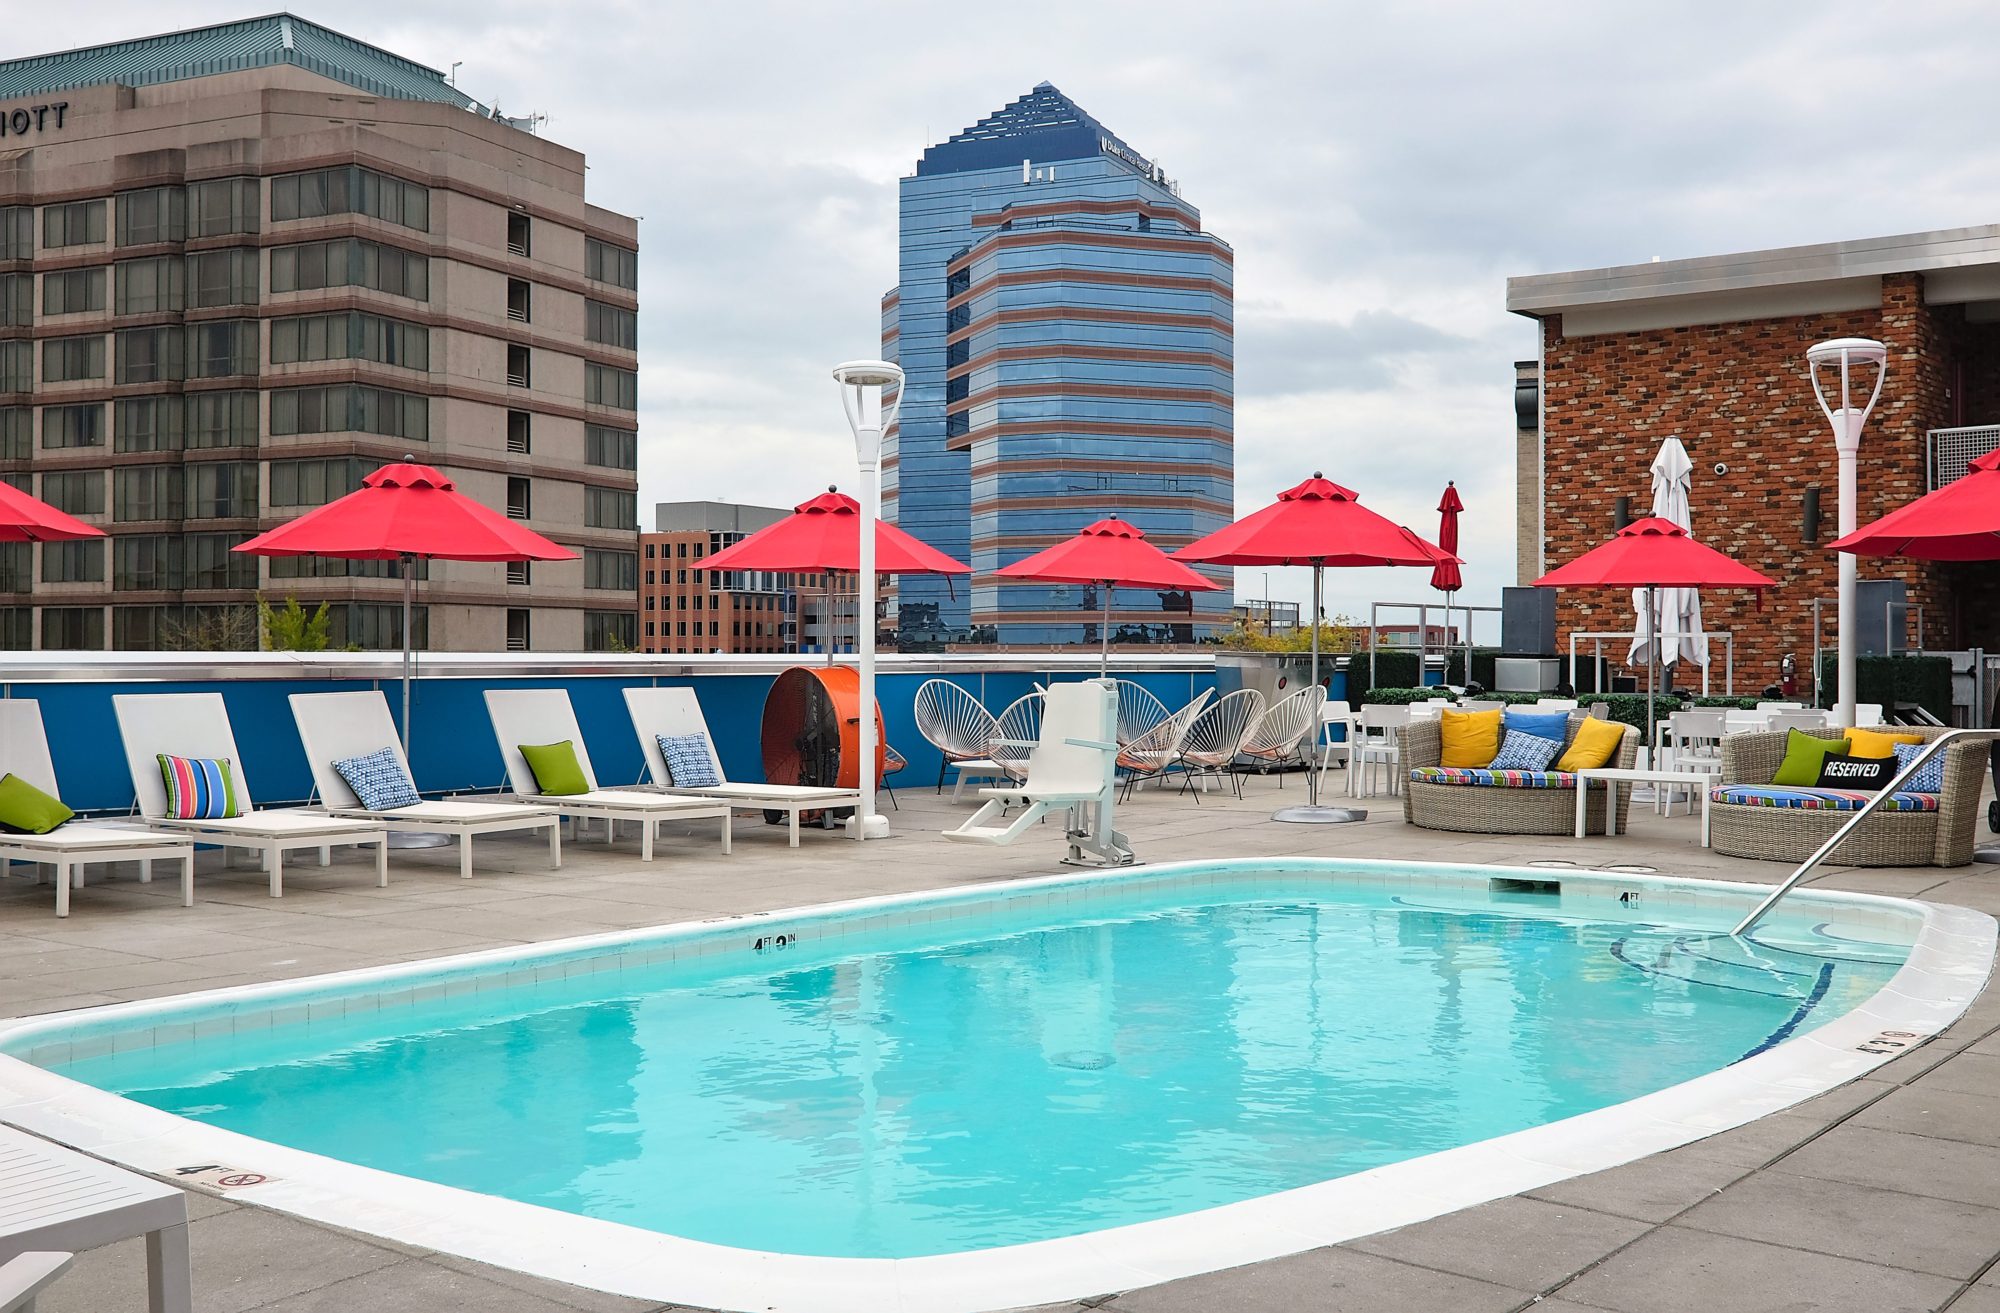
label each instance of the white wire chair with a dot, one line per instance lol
(1156, 751)
(1280, 735)
(1015, 733)
(954, 722)
(1138, 711)
(1215, 737)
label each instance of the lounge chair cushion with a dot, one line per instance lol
(199, 788)
(1804, 755)
(1928, 780)
(379, 780)
(1833, 800)
(1522, 750)
(1493, 779)
(1596, 743)
(1470, 738)
(690, 765)
(25, 809)
(1877, 743)
(556, 769)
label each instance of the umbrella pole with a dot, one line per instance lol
(1652, 667)
(409, 650)
(1104, 637)
(1312, 813)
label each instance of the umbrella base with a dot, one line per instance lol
(1990, 856)
(1320, 815)
(419, 840)
(875, 827)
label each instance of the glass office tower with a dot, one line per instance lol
(1064, 326)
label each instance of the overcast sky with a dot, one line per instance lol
(1380, 170)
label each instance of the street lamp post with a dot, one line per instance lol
(869, 414)
(1847, 354)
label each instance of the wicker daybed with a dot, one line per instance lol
(1543, 802)
(1790, 833)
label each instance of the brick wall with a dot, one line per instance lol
(1738, 394)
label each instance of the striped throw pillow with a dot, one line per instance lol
(198, 788)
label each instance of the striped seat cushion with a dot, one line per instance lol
(1829, 800)
(1480, 777)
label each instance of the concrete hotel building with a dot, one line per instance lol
(1066, 331)
(1712, 350)
(244, 265)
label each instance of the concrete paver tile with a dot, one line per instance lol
(1914, 1164)
(1336, 1280)
(1854, 1221)
(1675, 1269)
(1939, 1112)
(1525, 1243)
(1652, 1189)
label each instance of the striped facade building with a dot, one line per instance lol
(1065, 329)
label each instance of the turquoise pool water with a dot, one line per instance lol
(1015, 1077)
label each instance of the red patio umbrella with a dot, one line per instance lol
(26, 519)
(1445, 576)
(1108, 553)
(399, 513)
(1653, 553)
(1958, 522)
(824, 534)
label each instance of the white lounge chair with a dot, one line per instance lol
(53, 1199)
(197, 725)
(544, 715)
(24, 1277)
(24, 751)
(1072, 767)
(336, 726)
(674, 712)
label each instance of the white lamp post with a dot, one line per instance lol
(1847, 354)
(862, 383)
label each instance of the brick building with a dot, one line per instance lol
(686, 608)
(1712, 351)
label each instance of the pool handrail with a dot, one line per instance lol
(1930, 749)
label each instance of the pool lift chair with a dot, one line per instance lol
(1072, 768)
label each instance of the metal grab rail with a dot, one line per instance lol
(1868, 809)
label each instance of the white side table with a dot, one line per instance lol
(1612, 777)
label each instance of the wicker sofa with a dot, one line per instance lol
(1544, 803)
(1789, 833)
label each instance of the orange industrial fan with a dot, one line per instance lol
(811, 731)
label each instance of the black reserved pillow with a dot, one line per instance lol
(1870, 773)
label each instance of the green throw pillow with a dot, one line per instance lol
(25, 809)
(557, 772)
(1804, 756)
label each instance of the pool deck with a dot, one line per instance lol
(1883, 1195)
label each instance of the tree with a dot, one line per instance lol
(209, 629)
(1342, 634)
(290, 629)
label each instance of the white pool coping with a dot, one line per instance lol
(1950, 959)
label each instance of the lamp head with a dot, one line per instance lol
(863, 385)
(1842, 357)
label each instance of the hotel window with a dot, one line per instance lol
(517, 572)
(70, 359)
(610, 631)
(617, 570)
(221, 206)
(73, 628)
(517, 629)
(211, 563)
(138, 628)
(79, 223)
(157, 214)
(147, 492)
(378, 627)
(351, 262)
(149, 286)
(72, 426)
(227, 277)
(222, 348)
(610, 264)
(17, 232)
(145, 562)
(17, 628)
(609, 508)
(519, 373)
(149, 355)
(330, 567)
(606, 386)
(222, 419)
(518, 431)
(351, 190)
(612, 325)
(73, 291)
(221, 490)
(17, 300)
(79, 492)
(17, 567)
(313, 482)
(520, 306)
(612, 448)
(518, 242)
(350, 408)
(17, 436)
(147, 424)
(350, 336)
(73, 563)
(17, 366)
(520, 499)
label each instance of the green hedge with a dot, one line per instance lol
(1728, 704)
(1890, 680)
(1392, 670)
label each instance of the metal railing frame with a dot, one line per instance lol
(1424, 647)
(1868, 809)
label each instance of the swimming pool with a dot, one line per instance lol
(1058, 1087)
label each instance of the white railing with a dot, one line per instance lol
(1726, 637)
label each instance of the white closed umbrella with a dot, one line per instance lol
(1676, 612)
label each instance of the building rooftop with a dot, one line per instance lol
(1043, 125)
(232, 48)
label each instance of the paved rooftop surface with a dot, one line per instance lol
(1883, 1195)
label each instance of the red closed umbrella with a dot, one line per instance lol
(1108, 553)
(26, 519)
(1958, 522)
(1445, 576)
(824, 534)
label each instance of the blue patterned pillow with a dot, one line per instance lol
(379, 781)
(1930, 779)
(689, 762)
(1521, 750)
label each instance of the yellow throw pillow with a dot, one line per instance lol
(1596, 742)
(1471, 738)
(1875, 744)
